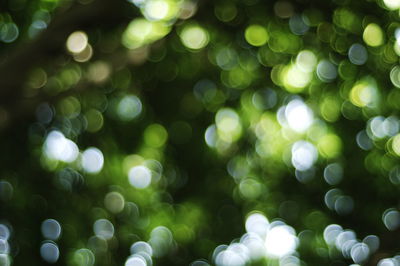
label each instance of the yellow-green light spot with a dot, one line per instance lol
(226, 12)
(306, 61)
(330, 146)
(330, 108)
(363, 94)
(160, 9)
(396, 48)
(228, 124)
(155, 135)
(70, 107)
(37, 78)
(250, 189)
(82, 256)
(94, 120)
(236, 78)
(373, 35)
(114, 202)
(131, 161)
(347, 19)
(256, 35)
(141, 31)
(396, 144)
(194, 37)
(183, 233)
(294, 78)
(395, 76)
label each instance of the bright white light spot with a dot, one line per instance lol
(58, 147)
(211, 136)
(160, 240)
(295, 78)
(51, 229)
(343, 237)
(49, 252)
(298, 116)
(376, 127)
(304, 155)
(161, 232)
(347, 246)
(257, 223)
(77, 42)
(138, 3)
(129, 108)
(289, 261)
(92, 160)
(359, 252)
(228, 124)
(103, 228)
(331, 232)
(254, 244)
(139, 176)
(141, 246)
(392, 4)
(229, 258)
(397, 35)
(217, 250)
(156, 9)
(227, 120)
(239, 249)
(391, 126)
(280, 241)
(136, 261)
(372, 242)
(387, 262)
(306, 61)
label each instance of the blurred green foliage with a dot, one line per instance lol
(176, 132)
